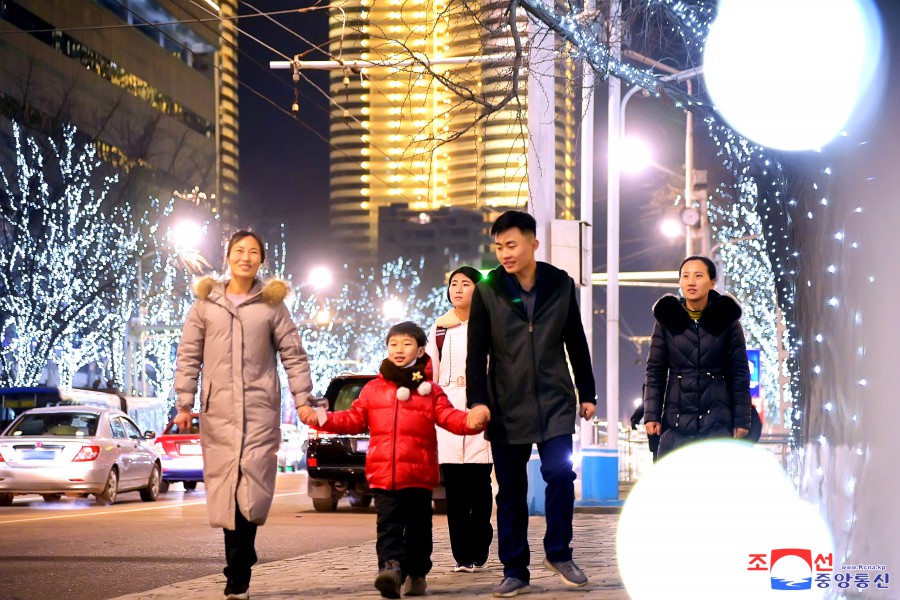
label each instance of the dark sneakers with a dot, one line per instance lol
(388, 580)
(415, 586)
(568, 571)
(510, 586)
(237, 591)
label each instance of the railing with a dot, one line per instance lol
(635, 458)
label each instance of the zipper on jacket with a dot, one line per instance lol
(394, 445)
(537, 394)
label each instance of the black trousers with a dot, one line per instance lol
(240, 549)
(511, 468)
(469, 504)
(404, 529)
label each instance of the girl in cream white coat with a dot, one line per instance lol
(465, 460)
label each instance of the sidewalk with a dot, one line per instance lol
(349, 572)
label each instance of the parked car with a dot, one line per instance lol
(77, 449)
(292, 452)
(337, 463)
(181, 455)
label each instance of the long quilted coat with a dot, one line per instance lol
(402, 440)
(698, 377)
(240, 403)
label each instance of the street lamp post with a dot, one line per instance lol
(616, 119)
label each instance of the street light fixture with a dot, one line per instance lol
(393, 309)
(320, 277)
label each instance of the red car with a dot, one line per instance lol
(181, 455)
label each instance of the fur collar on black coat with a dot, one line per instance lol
(721, 311)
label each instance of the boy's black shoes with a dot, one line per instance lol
(415, 586)
(568, 571)
(388, 580)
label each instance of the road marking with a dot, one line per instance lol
(119, 512)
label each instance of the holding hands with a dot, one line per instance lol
(478, 417)
(307, 414)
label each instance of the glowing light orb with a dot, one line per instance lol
(691, 523)
(788, 74)
(634, 155)
(671, 229)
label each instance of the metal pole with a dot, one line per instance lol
(422, 60)
(614, 134)
(587, 216)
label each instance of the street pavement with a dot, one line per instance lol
(349, 572)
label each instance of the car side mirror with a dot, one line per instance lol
(149, 435)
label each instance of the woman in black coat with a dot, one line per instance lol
(698, 379)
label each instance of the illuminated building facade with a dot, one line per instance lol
(401, 137)
(158, 101)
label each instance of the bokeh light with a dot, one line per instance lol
(789, 74)
(690, 524)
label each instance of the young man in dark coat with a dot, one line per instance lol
(698, 378)
(524, 318)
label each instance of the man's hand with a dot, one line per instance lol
(740, 432)
(182, 420)
(587, 410)
(478, 417)
(652, 428)
(307, 414)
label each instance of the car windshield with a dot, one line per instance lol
(349, 392)
(172, 429)
(71, 424)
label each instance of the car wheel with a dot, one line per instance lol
(151, 492)
(325, 504)
(360, 501)
(163, 486)
(6, 499)
(190, 486)
(440, 506)
(109, 493)
(51, 497)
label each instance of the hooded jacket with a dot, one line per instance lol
(402, 440)
(235, 349)
(698, 379)
(518, 367)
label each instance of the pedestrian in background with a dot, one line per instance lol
(523, 323)
(400, 408)
(698, 379)
(465, 460)
(232, 335)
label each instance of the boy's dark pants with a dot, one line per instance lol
(240, 551)
(404, 529)
(469, 504)
(511, 468)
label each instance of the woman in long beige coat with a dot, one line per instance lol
(232, 335)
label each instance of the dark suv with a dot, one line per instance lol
(337, 463)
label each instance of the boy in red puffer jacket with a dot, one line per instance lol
(401, 408)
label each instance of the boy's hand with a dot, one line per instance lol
(307, 414)
(478, 417)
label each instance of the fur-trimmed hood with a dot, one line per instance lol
(449, 319)
(273, 291)
(722, 311)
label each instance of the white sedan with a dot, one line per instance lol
(77, 449)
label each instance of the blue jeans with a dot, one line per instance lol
(510, 467)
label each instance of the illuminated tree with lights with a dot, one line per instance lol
(65, 253)
(347, 333)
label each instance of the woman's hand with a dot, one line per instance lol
(653, 428)
(740, 432)
(183, 420)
